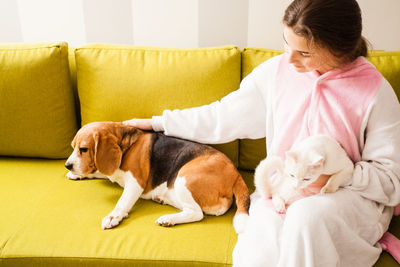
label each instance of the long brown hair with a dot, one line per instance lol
(332, 24)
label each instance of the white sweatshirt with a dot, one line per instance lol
(284, 106)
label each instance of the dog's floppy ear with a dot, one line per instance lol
(108, 154)
(130, 136)
(73, 143)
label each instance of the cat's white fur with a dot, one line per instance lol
(305, 162)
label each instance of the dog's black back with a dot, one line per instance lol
(169, 154)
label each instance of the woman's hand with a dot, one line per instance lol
(143, 124)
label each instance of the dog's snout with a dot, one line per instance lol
(69, 166)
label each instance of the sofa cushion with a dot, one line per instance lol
(252, 151)
(117, 83)
(37, 115)
(51, 220)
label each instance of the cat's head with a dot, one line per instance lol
(303, 166)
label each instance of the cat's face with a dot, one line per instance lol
(305, 168)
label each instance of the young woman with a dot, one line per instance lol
(322, 85)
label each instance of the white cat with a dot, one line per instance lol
(305, 162)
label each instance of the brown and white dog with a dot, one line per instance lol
(192, 177)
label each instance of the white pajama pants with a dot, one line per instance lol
(339, 229)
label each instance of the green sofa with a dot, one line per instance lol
(48, 90)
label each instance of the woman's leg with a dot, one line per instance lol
(259, 244)
(338, 229)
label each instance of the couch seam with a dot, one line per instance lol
(2, 248)
(69, 85)
(160, 49)
(113, 259)
(30, 48)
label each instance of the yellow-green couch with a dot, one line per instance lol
(47, 91)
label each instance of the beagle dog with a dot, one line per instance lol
(192, 177)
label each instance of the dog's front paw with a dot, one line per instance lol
(166, 220)
(72, 176)
(112, 220)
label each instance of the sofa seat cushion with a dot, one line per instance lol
(117, 83)
(48, 220)
(37, 114)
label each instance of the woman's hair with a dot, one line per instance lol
(332, 24)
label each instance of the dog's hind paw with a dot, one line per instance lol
(240, 222)
(166, 221)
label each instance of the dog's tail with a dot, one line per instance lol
(242, 197)
(263, 173)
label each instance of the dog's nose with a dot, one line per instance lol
(69, 166)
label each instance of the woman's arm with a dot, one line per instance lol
(240, 114)
(377, 175)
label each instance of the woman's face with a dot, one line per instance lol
(305, 57)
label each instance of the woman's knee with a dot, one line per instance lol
(311, 211)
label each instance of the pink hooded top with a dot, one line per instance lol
(333, 104)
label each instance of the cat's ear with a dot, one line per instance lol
(291, 155)
(317, 161)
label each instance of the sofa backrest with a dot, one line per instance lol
(42, 107)
(117, 83)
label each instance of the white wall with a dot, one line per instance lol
(382, 23)
(173, 23)
(48, 20)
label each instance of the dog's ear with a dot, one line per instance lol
(108, 154)
(73, 143)
(129, 137)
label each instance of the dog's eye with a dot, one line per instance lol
(83, 149)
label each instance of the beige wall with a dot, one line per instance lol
(173, 23)
(381, 23)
